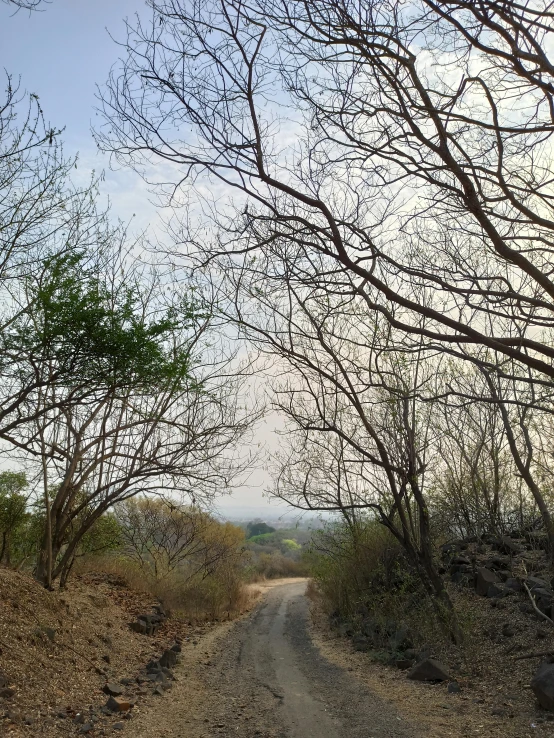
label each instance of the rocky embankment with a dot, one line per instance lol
(504, 585)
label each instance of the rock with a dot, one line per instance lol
(429, 670)
(3, 680)
(158, 692)
(168, 658)
(499, 712)
(153, 666)
(500, 562)
(127, 681)
(483, 580)
(464, 579)
(448, 548)
(7, 692)
(542, 685)
(454, 688)
(499, 590)
(543, 599)
(138, 627)
(527, 608)
(176, 647)
(118, 726)
(536, 583)
(118, 704)
(106, 658)
(460, 561)
(86, 728)
(113, 689)
(542, 633)
(514, 584)
(508, 546)
(403, 663)
(508, 631)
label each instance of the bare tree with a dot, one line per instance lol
(402, 164)
(29, 5)
(371, 149)
(164, 537)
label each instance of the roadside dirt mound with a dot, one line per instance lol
(59, 649)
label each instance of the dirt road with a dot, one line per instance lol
(264, 677)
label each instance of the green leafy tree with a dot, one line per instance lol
(13, 510)
(258, 529)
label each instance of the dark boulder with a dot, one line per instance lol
(139, 627)
(542, 685)
(536, 583)
(429, 670)
(513, 584)
(483, 580)
(543, 599)
(112, 689)
(499, 590)
(460, 561)
(507, 546)
(168, 658)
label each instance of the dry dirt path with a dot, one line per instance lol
(263, 677)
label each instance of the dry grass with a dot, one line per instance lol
(64, 669)
(221, 596)
(491, 678)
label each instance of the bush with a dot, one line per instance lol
(361, 574)
(275, 566)
(180, 555)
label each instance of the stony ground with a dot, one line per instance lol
(278, 672)
(59, 649)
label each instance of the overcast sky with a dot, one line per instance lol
(61, 55)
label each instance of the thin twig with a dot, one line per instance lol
(534, 655)
(535, 605)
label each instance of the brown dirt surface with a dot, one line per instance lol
(275, 672)
(491, 678)
(58, 649)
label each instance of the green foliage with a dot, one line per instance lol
(89, 332)
(104, 535)
(351, 564)
(13, 511)
(291, 544)
(263, 538)
(258, 529)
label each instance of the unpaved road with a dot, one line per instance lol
(264, 677)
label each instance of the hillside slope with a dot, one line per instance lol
(58, 650)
